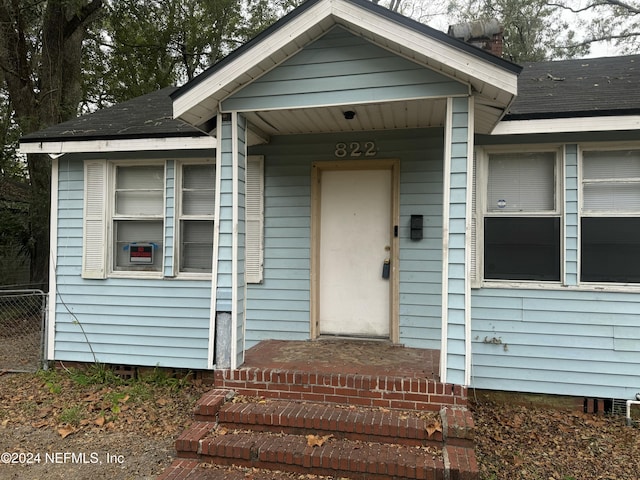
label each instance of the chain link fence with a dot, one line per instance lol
(22, 321)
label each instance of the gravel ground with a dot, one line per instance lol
(41, 453)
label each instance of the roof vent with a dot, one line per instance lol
(487, 34)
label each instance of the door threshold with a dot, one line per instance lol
(359, 338)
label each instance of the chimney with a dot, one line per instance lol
(487, 35)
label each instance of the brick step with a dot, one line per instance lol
(415, 393)
(407, 427)
(365, 424)
(358, 442)
(336, 457)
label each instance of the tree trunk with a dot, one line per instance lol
(54, 99)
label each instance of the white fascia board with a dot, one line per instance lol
(91, 146)
(354, 18)
(269, 46)
(568, 125)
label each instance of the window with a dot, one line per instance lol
(610, 217)
(521, 218)
(124, 225)
(196, 217)
(138, 214)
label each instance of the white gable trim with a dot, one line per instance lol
(565, 125)
(201, 102)
(379, 28)
(272, 47)
(88, 146)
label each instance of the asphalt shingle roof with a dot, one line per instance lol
(147, 116)
(559, 89)
(578, 88)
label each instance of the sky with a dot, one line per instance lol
(442, 22)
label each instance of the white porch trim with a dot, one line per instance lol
(468, 249)
(567, 125)
(216, 245)
(103, 146)
(446, 190)
(234, 239)
(53, 249)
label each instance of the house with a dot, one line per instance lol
(351, 172)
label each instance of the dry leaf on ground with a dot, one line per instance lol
(433, 427)
(317, 440)
(64, 432)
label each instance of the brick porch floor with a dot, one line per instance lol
(346, 357)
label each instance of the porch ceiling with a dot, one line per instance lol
(368, 117)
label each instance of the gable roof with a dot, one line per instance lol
(493, 79)
(143, 118)
(367, 4)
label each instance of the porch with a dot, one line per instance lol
(334, 407)
(345, 356)
(354, 372)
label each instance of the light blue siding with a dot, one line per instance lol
(279, 307)
(225, 251)
(571, 340)
(456, 291)
(556, 341)
(131, 321)
(421, 261)
(230, 238)
(341, 68)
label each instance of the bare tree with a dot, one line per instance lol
(610, 21)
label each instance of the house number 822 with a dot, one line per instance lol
(355, 149)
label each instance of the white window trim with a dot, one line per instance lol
(177, 247)
(602, 147)
(99, 265)
(482, 177)
(110, 209)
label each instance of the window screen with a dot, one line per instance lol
(521, 224)
(137, 219)
(521, 183)
(197, 212)
(610, 223)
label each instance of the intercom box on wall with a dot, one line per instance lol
(416, 227)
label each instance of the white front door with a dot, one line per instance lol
(355, 229)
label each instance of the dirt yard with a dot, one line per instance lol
(60, 425)
(57, 425)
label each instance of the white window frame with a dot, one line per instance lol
(582, 212)
(98, 208)
(111, 217)
(481, 212)
(179, 217)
